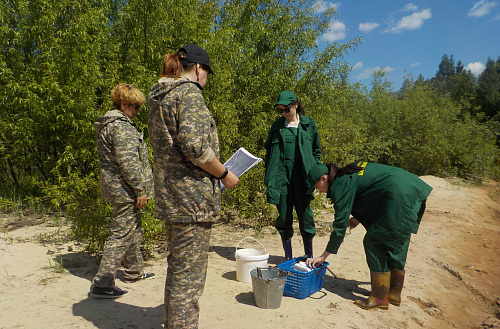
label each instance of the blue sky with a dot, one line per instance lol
(410, 38)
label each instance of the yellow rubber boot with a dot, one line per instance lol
(397, 280)
(379, 297)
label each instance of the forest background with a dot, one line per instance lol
(59, 60)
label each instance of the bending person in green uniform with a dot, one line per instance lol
(292, 150)
(389, 202)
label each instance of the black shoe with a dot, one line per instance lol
(144, 276)
(109, 293)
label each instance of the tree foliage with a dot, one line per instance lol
(60, 59)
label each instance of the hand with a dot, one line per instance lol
(141, 201)
(315, 262)
(353, 222)
(230, 181)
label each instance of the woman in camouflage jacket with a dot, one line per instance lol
(126, 182)
(187, 171)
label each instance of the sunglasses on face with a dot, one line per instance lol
(286, 110)
(136, 107)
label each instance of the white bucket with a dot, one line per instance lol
(248, 259)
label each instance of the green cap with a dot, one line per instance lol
(286, 97)
(314, 175)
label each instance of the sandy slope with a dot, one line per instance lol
(453, 277)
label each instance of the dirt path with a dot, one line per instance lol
(453, 277)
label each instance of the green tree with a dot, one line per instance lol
(489, 89)
(50, 71)
(59, 60)
(445, 71)
(259, 48)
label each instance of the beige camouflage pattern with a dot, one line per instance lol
(123, 246)
(186, 273)
(125, 173)
(184, 135)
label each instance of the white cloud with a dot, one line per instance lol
(415, 64)
(476, 68)
(411, 22)
(337, 32)
(410, 7)
(368, 72)
(357, 66)
(481, 8)
(367, 27)
(322, 6)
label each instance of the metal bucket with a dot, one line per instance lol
(268, 284)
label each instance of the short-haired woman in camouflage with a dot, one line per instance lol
(126, 182)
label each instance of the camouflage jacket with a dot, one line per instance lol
(123, 159)
(184, 136)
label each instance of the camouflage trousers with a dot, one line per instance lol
(122, 247)
(186, 273)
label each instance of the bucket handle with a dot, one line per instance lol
(321, 275)
(249, 237)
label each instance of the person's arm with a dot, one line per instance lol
(343, 200)
(317, 261)
(316, 144)
(217, 169)
(353, 223)
(194, 116)
(267, 146)
(126, 146)
(141, 201)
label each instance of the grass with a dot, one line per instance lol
(57, 270)
(7, 277)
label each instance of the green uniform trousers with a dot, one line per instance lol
(383, 254)
(295, 196)
(388, 250)
(294, 193)
(186, 273)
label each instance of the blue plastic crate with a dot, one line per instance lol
(302, 284)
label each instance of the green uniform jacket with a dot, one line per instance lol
(310, 153)
(125, 173)
(184, 136)
(386, 200)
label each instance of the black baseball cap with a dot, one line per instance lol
(195, 54)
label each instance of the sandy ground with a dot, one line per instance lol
(453, 277)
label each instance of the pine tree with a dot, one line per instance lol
(489, 89)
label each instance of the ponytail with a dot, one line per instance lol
(175, 65)
(172, 67)
(335, 171)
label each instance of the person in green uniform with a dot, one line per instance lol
(389, 202)
(292, 149)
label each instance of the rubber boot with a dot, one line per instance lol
(308, 247)
(397, 280)
(379, 297)
(287, 246)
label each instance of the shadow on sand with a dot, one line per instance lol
(111, 314)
